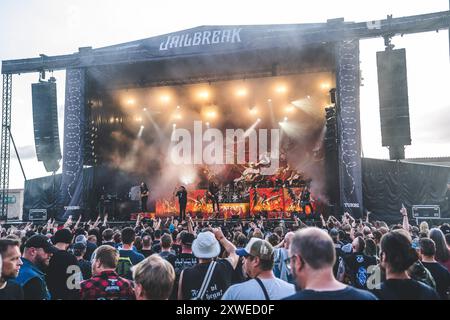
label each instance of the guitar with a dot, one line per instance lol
(144, 194)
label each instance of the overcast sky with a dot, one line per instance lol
(52, 27)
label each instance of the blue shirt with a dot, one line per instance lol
(134, 256)
(30, 271)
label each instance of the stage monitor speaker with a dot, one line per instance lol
(37, 215)
(426, 212)
(393, 94)
(45, 122)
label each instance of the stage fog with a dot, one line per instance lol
(135, 134)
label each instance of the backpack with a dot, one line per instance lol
(123, 268)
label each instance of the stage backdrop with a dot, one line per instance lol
(388, 184)
(266, 199)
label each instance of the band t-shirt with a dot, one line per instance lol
(220, 280)
(184, 261)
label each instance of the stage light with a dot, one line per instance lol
(269, 100)
(212, 114)
(145, 109)
(141, 130)
(241, 92)
(254, 111)
(290, 109)
(178, 107)
(203, 95)
(165, 98)
(130, 101)
(252, 127)
(308, 97)
(207, 124)
(177, 116)
(111, 120)
(325, 86)
(281, 89)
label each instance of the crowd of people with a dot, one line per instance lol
(159, 259)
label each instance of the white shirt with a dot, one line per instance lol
(251, 290)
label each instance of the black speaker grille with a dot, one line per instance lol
(393, 94)
(45, 122)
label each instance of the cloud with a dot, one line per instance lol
(25, 152)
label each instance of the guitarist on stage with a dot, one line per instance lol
(213, 195)
(144, 197)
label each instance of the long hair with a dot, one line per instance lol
(442, 252)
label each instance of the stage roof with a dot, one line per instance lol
(211, 40)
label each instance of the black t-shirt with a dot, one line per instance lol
(176, 248)
(146, 252)
(58, 273)
(12, 291)
(144, 189)
(220, 280)
(109, 243)
(184, 261)
(156, 248)
(408, 289)
(339, 255)
(238, 273)
(349, 293)
(441, 276)
(169, 256)
(356, 267)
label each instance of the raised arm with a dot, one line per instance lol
(228, 246)
(404, 213)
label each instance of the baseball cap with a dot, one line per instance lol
(81, 238)
(258, 248)
(63, 236)
(206, 246)
(41, 241)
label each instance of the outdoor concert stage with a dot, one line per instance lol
(269, 85)
(160, 110)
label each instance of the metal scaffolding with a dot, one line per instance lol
(5, 144)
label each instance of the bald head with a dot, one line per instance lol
(315, 247)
